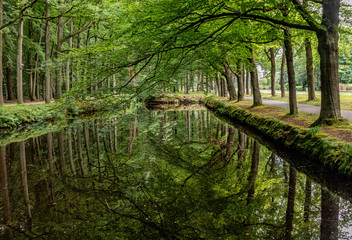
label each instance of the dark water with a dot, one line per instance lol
(160, 175)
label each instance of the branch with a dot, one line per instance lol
(306, 16)
(19, 15)
(77, 32)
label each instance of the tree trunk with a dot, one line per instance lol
(70, 153)
(309, 67)
(47, 95)
(19, 62)
(5, 192)
(51, 166)
(86, 140)
(282, 74)
(230, 145)
(68, 62)
(254, 171)
(247, 83)
(257, 98)
(9, 84)
(60, 35)
(291, 72)
(241, 82)
(328, 47)
(272, 72)
(307, 199)
(25, 182)
(186, 83)
(329, 216)
(290, 203)
(1, 68)
(230, 83)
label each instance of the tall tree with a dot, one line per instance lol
(19, 62)
(257, 98)
(309, 67)
(47, 95)
(1, 62)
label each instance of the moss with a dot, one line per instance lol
(325, 150)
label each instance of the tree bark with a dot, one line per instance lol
(290, 203)
(241, 82)
(309, 67)
(19, 62)
(25, 182)
(307, 199)
(70, 153)
(272, 71)
(247, 83)
(51, 166)
(47, 95)
(257, 98)
(68, 62)
(329, 216)
(254, 171)
(5, 191)
(230, 83)
(1, 67)
(328, 40)
(60, 35)
(282, 74)
(291, 72)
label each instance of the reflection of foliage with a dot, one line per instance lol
(175, 184)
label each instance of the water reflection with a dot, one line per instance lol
(160, 175)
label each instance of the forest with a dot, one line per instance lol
(162, 119)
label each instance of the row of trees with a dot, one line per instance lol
(93, 48)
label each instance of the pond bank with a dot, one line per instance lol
(320, 156)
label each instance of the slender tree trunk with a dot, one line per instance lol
(241, 149)
(307, 199)
(79, 151)
(5, 192)
(9, 84)
(1, 64)
(254, 171)
(328, 47)
(230, 83)
(290, 202)
(51, 166)
(70, 153)
(68, 62)
(19, 62)
(291, 72)
(25, 182)
(329, 216)
(247, 82)
(86, 140)
(272, 72)
(230, 144)
(309, 67)
(47, 95)
(282, 74)
(241, 82)
(257, 98)
(60, 35)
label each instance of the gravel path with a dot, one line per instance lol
(304, 107)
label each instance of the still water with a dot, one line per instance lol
(160, 175)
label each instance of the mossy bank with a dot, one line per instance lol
(326, 159)
(21, 115)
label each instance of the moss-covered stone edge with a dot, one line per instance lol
(328, 151)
